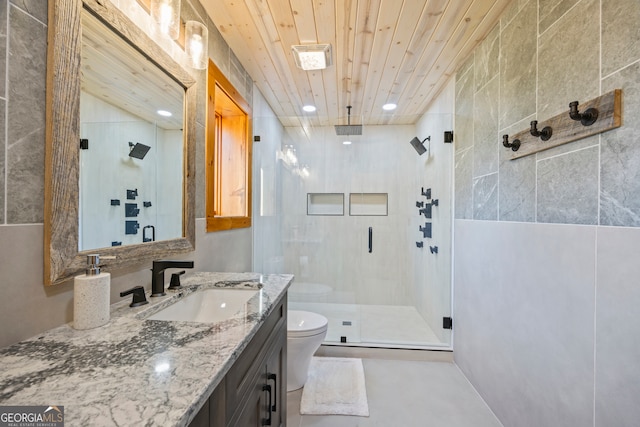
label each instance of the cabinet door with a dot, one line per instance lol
(254, 410)
(265, 404)
(276, 374)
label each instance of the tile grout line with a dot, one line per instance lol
(498, 148)
(6, 121)
(555, 22)
(567, 152)
(595, 304)
(535, 160)
(477, 392)
(631, 64)
(595, 264)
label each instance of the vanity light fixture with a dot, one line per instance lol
(197, 44)
(166, 13)
(312, 56)
(389, 107)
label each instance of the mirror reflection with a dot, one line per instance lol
(131, 157)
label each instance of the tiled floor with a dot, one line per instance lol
(407, 394)
(399, 326)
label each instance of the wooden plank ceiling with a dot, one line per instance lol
(116, 73)
(395, 51)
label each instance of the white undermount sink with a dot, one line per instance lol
(208, 305)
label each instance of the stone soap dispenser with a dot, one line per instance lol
(91, 296)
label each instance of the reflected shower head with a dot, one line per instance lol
(419, 145)
(138, 150)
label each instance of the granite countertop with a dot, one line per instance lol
(132, 371)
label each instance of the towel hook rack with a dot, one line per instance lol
(544, 134)
(587, 118)
(515, 145)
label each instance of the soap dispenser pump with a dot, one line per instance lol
(91, 294)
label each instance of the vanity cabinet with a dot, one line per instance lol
(254, 391)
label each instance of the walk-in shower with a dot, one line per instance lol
(348, 230)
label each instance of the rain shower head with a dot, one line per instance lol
(138, 150)
(348, 129)
(419, 145)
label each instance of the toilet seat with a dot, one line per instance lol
(305, 324)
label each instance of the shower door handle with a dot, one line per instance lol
(370, 239)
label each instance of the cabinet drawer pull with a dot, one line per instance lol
(267, 421)
(275, 390)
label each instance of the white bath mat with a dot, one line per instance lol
(335, 386)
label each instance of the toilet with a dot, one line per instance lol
(305, 333)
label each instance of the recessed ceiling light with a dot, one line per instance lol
(164, 113)
(389, 107)
(309, 108)
(312, 56)
(346, 142)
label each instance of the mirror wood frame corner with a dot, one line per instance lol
(62, 258)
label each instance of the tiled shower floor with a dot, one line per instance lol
(397, 326)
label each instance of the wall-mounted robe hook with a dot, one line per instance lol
(419, 244)
(544, 134)
(419, 204)
(513, 145)
(433, 249)
(587, 118)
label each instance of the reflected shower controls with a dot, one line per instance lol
(433, 249)
(426, 193)
(420, 244)
(131, 210)
(419, 145)
(426, 211)
(426, 230)
(131, 227)
(146, 239)
(138, 150)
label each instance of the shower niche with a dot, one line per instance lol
(331, 204)
(368, 204)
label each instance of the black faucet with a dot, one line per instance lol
(157, 274)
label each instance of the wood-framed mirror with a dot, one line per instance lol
(64, 253)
